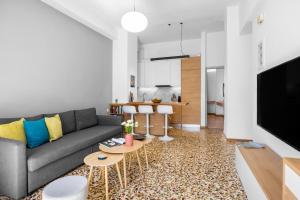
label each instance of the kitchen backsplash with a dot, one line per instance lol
(164, 93)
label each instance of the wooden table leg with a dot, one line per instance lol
(124, 168)
(106, 183)
(90, 175)
(119, 175)
(129, 164)
(138, 158)
(146, 157)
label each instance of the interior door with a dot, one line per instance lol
(191, 90)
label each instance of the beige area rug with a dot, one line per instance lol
(197, 165)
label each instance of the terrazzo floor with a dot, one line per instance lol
(196, 165)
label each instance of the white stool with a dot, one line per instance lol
(165, 110)
(147, 110)
(130, 110)
(66, 188)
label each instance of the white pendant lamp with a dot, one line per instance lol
(134, 21)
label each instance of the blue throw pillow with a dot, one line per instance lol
(36, 132)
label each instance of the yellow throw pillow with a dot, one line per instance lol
(54, 127)
(13, 131)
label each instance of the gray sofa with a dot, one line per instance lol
(24, 170)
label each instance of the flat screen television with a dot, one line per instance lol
(278, 102)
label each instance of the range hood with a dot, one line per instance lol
(162, 86)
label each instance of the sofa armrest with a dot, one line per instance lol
(13, 168)
(110, 120)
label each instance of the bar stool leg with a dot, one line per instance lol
(146, 157)
(166, 138)
(133, 122)
(148, 127)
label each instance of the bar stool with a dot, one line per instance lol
(147, 110)
(165, 110)
(130, 110)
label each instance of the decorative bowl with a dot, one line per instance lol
(156, 100)
(139, 137)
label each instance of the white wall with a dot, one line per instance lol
(215, 49)
(120, 70)
(203, 105)
(132, 62)
(281, 32)
(124, 65)
(219, 90)
(49, 62)
(81, 12)
(163, 49)
(246, 14)
(238, 112)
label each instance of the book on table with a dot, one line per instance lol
(113, 142)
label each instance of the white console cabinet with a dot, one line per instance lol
(260, 171)
(291, 178)
(249, 182)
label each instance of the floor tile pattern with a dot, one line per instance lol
(198, 165)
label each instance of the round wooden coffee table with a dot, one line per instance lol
(112, 159)
(122, 149)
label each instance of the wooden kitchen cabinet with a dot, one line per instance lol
(191, 90)
(176, 117)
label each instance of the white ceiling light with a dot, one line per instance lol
(134, 21)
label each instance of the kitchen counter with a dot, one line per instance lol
(137, 103)
(156, 119)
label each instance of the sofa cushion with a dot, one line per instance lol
(13, 130)
(54, 127)
(69, 144)
(67, 120)
(36, 132)
(86, 118)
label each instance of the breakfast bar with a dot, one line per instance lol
(156, 119)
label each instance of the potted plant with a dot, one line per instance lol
(128, 129)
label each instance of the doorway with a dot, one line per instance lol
(215, 97)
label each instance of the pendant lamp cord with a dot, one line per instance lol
(134, 5)
(181, 24)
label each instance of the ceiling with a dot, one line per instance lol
(196, 15)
